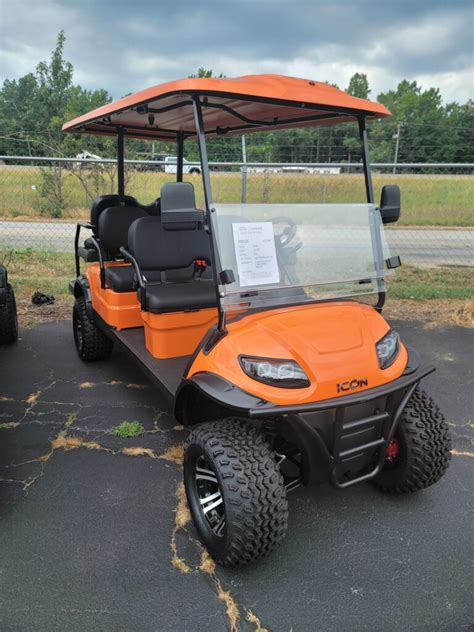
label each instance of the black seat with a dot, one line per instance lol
(179, 297)
(113, 226)
(88, 252)
(102, 202)
(173, 248)
(153, 208)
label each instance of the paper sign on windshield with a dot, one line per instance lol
(254, 245)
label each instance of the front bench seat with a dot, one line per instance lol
(157, 250)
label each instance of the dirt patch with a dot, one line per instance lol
(30, 315)
(434, 313)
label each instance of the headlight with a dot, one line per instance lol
(281, 373)
(388, 349)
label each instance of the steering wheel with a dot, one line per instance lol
(288, 233)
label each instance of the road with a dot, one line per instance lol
(89, 525)
(425, 246)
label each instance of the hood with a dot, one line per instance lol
(334, 343)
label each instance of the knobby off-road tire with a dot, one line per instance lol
(424, 444)
(91, 343)
(8, 317)
(254, 507)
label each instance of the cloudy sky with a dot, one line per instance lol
(126, 45)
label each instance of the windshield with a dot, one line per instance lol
(278, 254)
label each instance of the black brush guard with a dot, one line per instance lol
(345, 439)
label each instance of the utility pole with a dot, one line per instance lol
(397, 146)
(243, 196)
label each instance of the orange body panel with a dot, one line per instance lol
(118, 309)
(176, 334)
(332, 342)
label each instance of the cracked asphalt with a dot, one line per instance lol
(94, 534)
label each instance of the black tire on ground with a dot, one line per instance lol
(91, 343)
(8, 317)
(239, 467)
(424, 445)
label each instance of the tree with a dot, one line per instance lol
(204, 73)
(359, 86)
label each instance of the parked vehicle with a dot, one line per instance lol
(171, 166)
(154, 162)
(8, 313)
(253, 319)
(86, 155)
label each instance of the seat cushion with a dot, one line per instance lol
(177, 297)
(120, 278)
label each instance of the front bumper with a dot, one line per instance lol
(344, 439)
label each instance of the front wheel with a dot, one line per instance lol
(420, 450)
(235, 491)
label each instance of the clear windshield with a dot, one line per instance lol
(280, 254)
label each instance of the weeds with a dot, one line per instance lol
(128, 429)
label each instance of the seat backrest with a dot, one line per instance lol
(113, 226)
(106, 201)
(156, 248)
(178, 207)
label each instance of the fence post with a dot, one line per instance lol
(243, 195)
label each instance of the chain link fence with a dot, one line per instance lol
(41, 199)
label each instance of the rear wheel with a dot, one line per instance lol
(420, 450)
(235, 491)
(8, 317)
(91, 343)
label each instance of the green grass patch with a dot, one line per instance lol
(431, 283)
(427, 200)
(50, 272)
(128, 429)
(31, 270)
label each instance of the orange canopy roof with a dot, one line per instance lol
(230, 106)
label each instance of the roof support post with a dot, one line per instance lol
(206, 182)
(120, 162)
(370, 199)
(201, 138)
(180, 157)
(365, 159)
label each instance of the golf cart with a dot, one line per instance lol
(255, 320)
(8, 315)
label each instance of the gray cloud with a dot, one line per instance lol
(125, 46)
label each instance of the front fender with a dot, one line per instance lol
(80, 288)
(206, 396)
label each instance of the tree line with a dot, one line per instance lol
(422, 129)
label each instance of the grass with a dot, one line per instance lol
(423, 284)
(50, 272)
(427, 200)
(128, 429)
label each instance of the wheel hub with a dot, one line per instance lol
(210, 496)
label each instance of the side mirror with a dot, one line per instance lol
(390, 203)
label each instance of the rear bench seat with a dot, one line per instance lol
(111, 217)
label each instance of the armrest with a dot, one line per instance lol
(129, 257)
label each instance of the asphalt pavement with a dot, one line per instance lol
(88, 525)
(428, 246)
